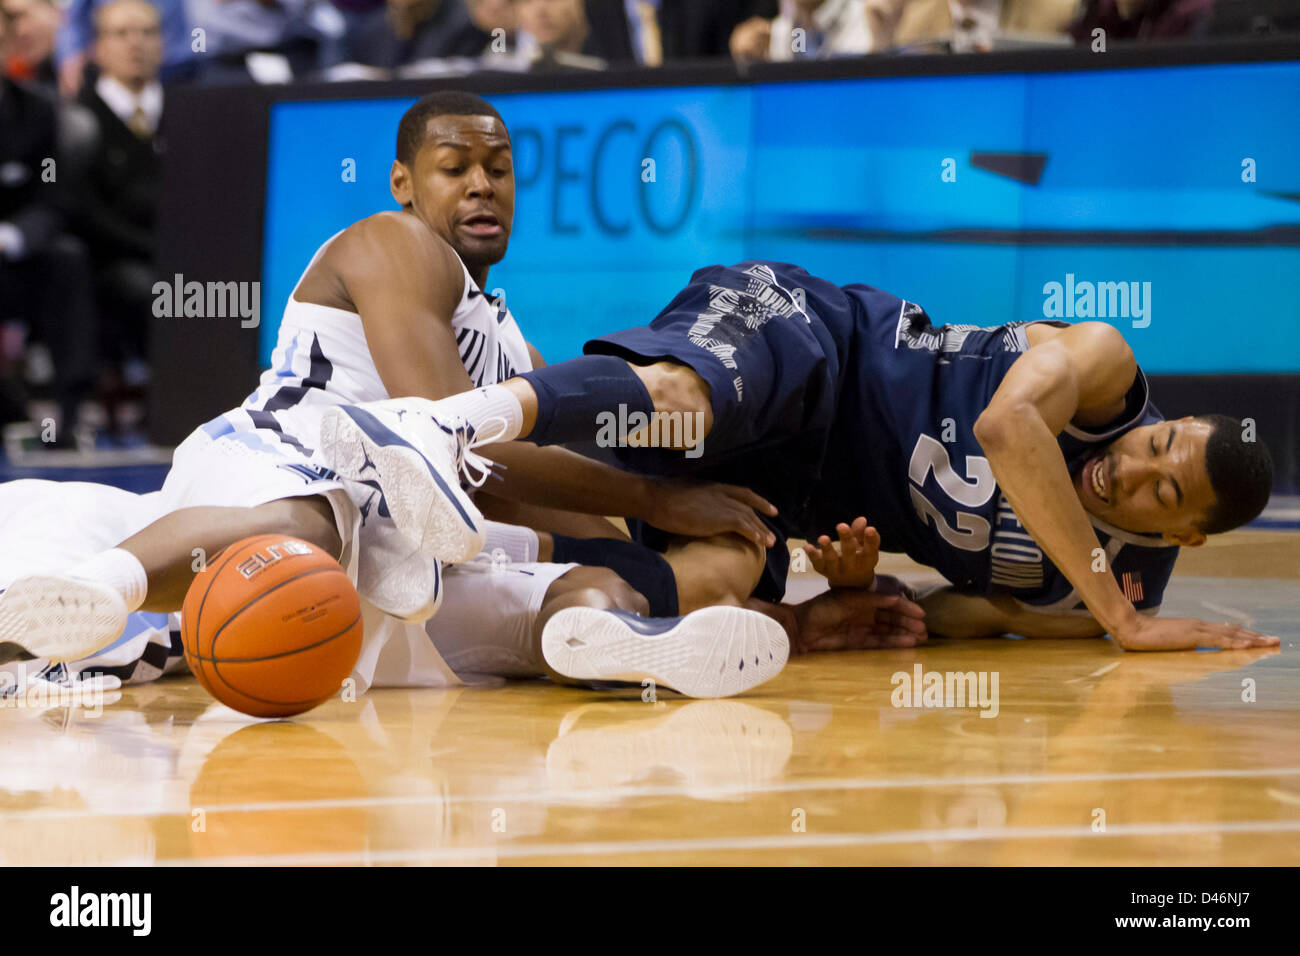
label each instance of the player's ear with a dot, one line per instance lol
(1185, 539)
(400, 184)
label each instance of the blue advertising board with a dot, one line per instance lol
(1166, 201)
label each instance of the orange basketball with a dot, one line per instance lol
(272, 627)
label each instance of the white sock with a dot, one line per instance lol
(519, 544)
(486, 408)
(120, 570)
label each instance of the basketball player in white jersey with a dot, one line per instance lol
(393, 305)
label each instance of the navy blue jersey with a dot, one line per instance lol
(834, 402)
(904, 454)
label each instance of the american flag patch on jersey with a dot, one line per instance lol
(1131, 583)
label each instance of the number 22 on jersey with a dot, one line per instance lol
(973, 491)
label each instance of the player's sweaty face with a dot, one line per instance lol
(464, 186)
(1151, 480)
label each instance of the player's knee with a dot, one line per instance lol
(598, 588)
(675, 388)
(311, 519)
(728, 579)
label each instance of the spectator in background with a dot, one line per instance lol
(963, 25)
(408, 31)
(72, 46)
(805, 30)
(118, 206)
(45, 278)
(267, 41)
(692, 30)
(1143, 19)
(573, 34)
(31, 26)
(489, 15)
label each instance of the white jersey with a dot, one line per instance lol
(322, 357)
(266, 450)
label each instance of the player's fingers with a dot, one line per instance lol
(904, 639)
(902, 619)
(751, 499)
(748, 525)
(816, 558)
(848, 545)
(895, 620)
(910, 608)
(828, 642)
(1251, 639)
(1232, 637)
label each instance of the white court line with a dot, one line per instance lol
(560, 797)
(765, 842)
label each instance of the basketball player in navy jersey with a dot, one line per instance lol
(1025, 462)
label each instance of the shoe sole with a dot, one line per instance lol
(60, 619)
(409, 590)
(428, 510)
(713, 652)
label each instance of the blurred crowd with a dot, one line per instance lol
(83, 116)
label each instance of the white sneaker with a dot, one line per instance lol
(58, 618)
(396, 578)
(416, 461)
(712, 652)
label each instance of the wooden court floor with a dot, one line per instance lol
(1093, 757)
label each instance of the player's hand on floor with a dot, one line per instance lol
(851, 563)
(855, 619)
(1181, 634)
(704, 508)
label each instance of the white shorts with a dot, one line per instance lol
(50, 526)
(484, 626)
(45, 525)
(229, 463)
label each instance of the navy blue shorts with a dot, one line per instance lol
(768, 339)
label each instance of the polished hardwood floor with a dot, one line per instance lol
(1088, 756)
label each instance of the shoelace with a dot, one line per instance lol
(476, 468)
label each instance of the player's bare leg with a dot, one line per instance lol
(176, 547)
(70, 616)
(721, 570)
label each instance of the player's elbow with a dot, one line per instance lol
(996, 426)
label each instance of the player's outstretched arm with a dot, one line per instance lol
(559, 478)
(952, 613)
(1081, 374)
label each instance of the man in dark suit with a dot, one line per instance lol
(119, 201)
(408, 31)
(45, 280)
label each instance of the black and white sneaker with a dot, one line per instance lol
(712, 652)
